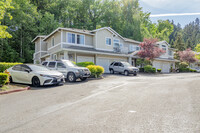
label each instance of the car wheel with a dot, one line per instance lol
(135, 74)
(112, 71)
(71, 77)
(36, 82)
(126, 73)
(83, 79)
(10, 79)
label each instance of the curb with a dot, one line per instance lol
(17, 90)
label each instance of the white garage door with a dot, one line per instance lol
(105, 63)
(85, 59)
(165, 66)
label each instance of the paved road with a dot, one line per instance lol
(115, 104)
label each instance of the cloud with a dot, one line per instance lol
(174, 14)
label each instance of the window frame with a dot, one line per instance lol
(71, 38)
(110, 41)
(76, 41)
(52, 41)
(62, 65)
(52, 62)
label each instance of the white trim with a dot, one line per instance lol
(53, 41)
(54, 46)
(67, 37)
(40, 52)
(71, 44)
(45, 56)
(37, 38)
(61, 36)
(77, 31)
(110, 41)
(104, 49)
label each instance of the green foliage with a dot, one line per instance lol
(191, 70)
(4, 65)
(159, 70)
(84, 64)
(149, 69)
(183, 67)
(96, 71)
(143, 62)
(3, 79)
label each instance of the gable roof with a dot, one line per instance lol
(40, 36)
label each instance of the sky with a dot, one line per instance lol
(181, 11)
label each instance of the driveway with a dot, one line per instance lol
(168, 103)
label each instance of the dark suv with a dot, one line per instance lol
(123, 67)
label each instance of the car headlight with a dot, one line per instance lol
(45, 75)
(80, 70)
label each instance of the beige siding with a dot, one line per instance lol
(37, 45)
(57, 39)
(44, 46)
(113, 57)
(101, 39)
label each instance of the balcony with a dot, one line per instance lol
(121, 50)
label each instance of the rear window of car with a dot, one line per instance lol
(44, 63)
(17, 68)
(52, 64)
(60, 65)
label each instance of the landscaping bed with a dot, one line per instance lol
(9, 88)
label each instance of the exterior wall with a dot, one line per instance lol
(166, 54)
(88, 38)
(43, 46)
(57, 39)
(37, 45)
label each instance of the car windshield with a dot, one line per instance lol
(38, 68)
(69, 63)
(126, 64)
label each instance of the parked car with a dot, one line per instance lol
(71, 71)
(35, 75)
(123, 67)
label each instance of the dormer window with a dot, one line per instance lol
(164, 48)
(108, 41)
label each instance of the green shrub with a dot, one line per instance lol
(3, 79)
(141, 69)
(4, 65)
(149, 69)
(153, 70)
(96, 71)
(191, 70)
(182, 69)
(84, 64)
(159, 70)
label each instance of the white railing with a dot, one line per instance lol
(123, 50)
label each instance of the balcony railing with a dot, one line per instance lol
(121, 50)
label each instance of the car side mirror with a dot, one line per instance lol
(27, 70)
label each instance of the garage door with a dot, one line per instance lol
(165, 66)
(105, 63)
(85, 59)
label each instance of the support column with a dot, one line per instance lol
(75, 59)
(66, 57)
(130, 60)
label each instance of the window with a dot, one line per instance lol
(25, 67)
(44, 63)
(170, 52)
(116, 64)
(80, 39)
(52, 64)
(70, 38)
(116, 43)
(164, 48)
(137, 48)
(60, 65)
(108, 41)
(134, 48)
(121, 45)
(121, 65)
(52, 41)
(17, 68)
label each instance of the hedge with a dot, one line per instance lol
(4, 65)
(3, 79)
(96, 71)
(149, 69)
(84, 64)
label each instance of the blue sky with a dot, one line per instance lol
(181, 11)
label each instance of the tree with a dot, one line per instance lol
(178, 44)
(4, 6)
(187, 56)
(149, 49)
(197, 49)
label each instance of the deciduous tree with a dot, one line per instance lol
(187, 56)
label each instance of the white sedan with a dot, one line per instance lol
(35, 75)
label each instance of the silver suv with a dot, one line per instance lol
(69, 69)
(123, 67)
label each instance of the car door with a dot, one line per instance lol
(52, 65)
(25, 76)
(116, 66)
(121, 68)
(61, 68)
(16, 70)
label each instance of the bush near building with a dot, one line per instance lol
(84, 64)
(149, 69)
(159, 70)
(4, 65)
(96, 71)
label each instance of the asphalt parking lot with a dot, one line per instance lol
(168, 103)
